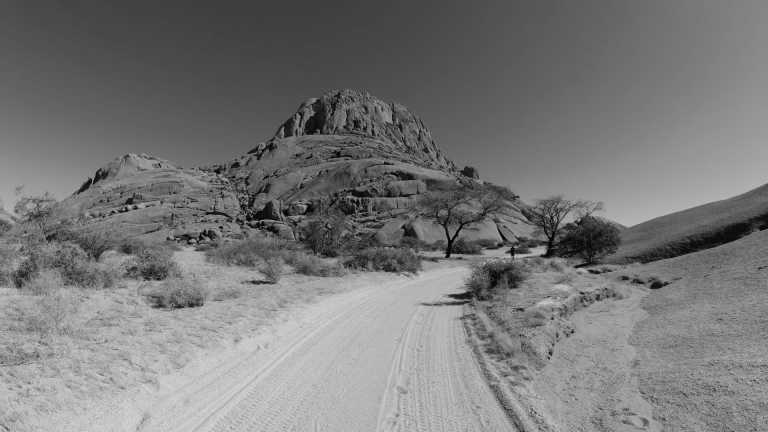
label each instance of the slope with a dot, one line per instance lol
(696, 228)
(702, 358)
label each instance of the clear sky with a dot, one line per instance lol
(649, 106)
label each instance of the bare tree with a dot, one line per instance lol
(457, 207)
(549, 214)
(36, 210)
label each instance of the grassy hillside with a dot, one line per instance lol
(695, 229)
(702, 357)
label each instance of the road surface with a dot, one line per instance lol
(383, 358)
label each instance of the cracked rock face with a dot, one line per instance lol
(351, 112)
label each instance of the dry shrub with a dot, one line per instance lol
(54, 309)
(70, 260)
(154, 263)
(227, 292)
(93, 243)
(311, 265)
(467, 247)
(265, 253)
(490, 276)
(45, 282)
(176, 293)
(8, 256)
(396, 260)
(250, 252)
(272, 269)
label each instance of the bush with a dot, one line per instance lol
(55, 309)
(265, 252)
(176, 293)
(154, 263)
(590, 238)
(5, 226)
(490, 276)
(8, 256)
(522, 249)
(272, 269)
(131, 246)
(250, 252)
(394, 260)
(488, 244)
(414, 243)
(45, 282)
(528, 242)
(71, 261)
(311, 265)
(466, 247)
(93, 243)
(327, 234)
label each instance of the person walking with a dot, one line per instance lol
(511, 252)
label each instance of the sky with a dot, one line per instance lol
(649, 106)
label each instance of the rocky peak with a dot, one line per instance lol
(125, 166)
(349, 112)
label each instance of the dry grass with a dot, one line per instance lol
(87, 345)
(702, 356)
(517, 317)
(695, 229)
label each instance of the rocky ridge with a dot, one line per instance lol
(372, 159)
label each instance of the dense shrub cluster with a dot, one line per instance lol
(55, 309)
(386, 259)
(176, 293)
(153, 263)
(327, 234)
(8, 255)
(250, 252)
(272, 268)
(488, 244)
(462, 246)
(590, 238)
(420, 245)
(93, 243)
(268, 254)
(311, 265)
(73, 264)
(491, 276)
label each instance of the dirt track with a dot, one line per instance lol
(386, 358)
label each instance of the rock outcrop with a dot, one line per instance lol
(372, 159)
(344, 112)
(140, 195)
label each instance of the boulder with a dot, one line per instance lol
(470, 172)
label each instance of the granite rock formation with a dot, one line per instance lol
(372, 159)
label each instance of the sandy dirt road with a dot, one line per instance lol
(384, 358)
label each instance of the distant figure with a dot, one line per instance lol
(511, 252)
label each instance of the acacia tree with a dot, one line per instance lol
(457, 207)
(590, 238)
(36, 210)
(549, 214)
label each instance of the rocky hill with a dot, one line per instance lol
(140, 195)
(372, 159)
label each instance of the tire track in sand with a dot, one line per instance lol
(394, 358)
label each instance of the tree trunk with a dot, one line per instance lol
(449, 248)
(550, 247)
